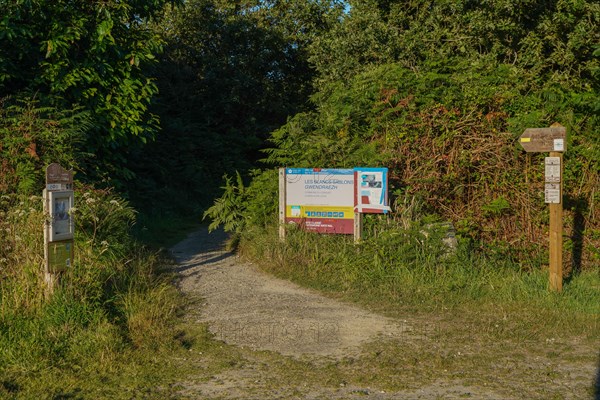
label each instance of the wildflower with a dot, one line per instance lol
(90, 200)
(114, 202)
(104, 243)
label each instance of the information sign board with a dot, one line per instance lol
(61, 223)
(320, 200)
(60, 255)
(552, 193)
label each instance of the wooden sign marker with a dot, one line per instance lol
(556, 234)
(553, 140)
(541, 140)
(58, 229)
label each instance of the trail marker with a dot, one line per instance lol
(553, 140)
(541, 140)
(58, 197)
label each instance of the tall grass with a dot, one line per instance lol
(114, 304)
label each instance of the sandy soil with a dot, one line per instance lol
(246, 307)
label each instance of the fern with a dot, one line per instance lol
(230, 209)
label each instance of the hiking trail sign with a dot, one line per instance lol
(328, 200)
(58, 198)
(541, 140)
(554, 141)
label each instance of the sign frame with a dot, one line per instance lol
(319, 199)
(371, 191)
(61, 225)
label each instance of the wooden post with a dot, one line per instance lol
(556, 235)
(553, 140)
(358, 225)
(282, 203)
(49, 278)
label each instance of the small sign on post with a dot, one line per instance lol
(552, 169)
(553, 140)
(58, 197)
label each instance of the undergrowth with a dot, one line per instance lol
(113, 312)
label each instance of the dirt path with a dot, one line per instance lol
(247, 307)
(312, 342)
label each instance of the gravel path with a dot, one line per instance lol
(247, 307)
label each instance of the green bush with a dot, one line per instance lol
(112, 300)
(31, 137)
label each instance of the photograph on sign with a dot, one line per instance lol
(371, 190)
(61, 226)
(321, 200)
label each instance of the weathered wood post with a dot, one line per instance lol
(554, 141)
(358, 227)
(556, 219)
(282, 203)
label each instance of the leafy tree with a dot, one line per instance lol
(439, 91)
(84, 54)
(232, 72)
(31, 137)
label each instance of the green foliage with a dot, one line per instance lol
(230, 209)
(438, 92)
(111, 304)
(86, 55)
(231, 73)
(104, 220)
(31, 137)
(241, 207)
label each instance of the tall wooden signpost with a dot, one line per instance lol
(58, 231)
(554, 141)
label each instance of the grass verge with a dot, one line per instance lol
(399, 272)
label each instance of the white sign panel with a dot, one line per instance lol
(552, 169)
(552, 193)
(371, 190)
(320, 187)
(559, 144)
(321, 200)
